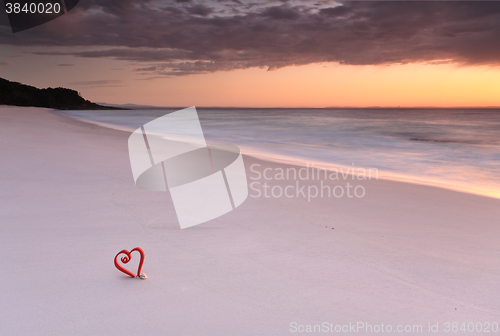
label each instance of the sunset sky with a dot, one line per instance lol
(265, 53)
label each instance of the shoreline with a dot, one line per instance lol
(293, 161)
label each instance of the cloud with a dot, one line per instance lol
(65, 64)
(196, 67)
(179, 38)
(2, 63)
(104, 82)
(199, 10)
(281, 13)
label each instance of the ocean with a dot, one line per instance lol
(457, 149)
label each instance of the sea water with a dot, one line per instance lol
(452, 148)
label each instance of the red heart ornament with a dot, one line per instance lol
(125, 259)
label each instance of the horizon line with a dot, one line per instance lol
(139, 106)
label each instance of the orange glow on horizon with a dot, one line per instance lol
(315, 85)
(319, 85)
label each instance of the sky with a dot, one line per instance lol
(265, 53)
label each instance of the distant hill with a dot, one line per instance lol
(17, 94)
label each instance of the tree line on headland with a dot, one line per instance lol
(17, 94)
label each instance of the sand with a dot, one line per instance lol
(403, 254)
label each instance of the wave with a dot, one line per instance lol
(455, 149)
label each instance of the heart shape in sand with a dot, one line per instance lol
(125, 259)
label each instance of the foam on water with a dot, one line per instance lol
(452, 148)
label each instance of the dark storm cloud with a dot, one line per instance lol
(188, 37)
(281, 13)
(199, 10)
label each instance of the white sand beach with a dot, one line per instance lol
(403, 254)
